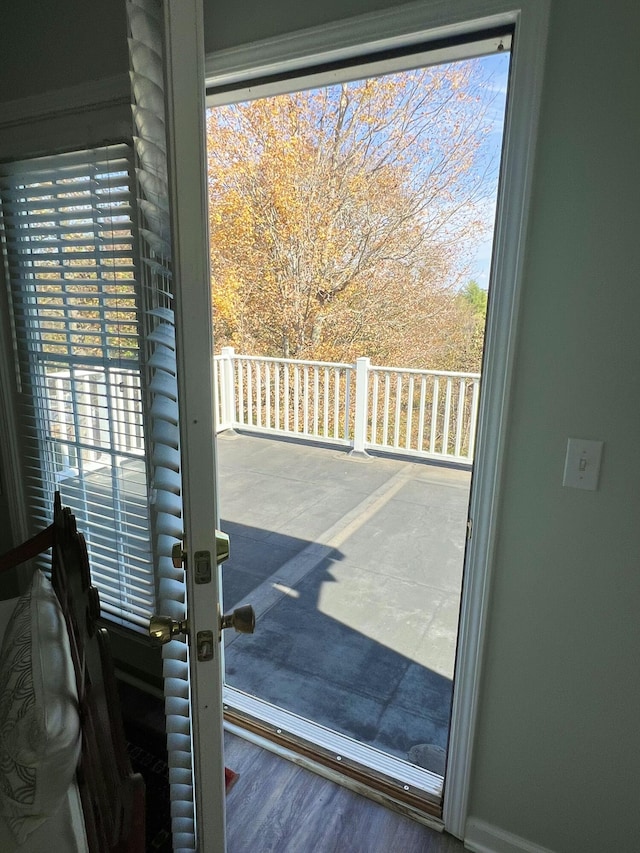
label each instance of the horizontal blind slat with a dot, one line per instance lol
(70, 244)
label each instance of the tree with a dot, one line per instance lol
(341, 218)
(472, 300)
(476, 299)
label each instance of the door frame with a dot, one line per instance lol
(188, 201)
(417, 24)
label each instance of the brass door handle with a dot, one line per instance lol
(223, 550)
(243, 619)
(162, 629)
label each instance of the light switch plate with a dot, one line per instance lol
(582, 464)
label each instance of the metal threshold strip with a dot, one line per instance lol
(395, 783)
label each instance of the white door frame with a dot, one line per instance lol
(419, 23)
(186, 155)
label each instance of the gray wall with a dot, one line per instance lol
(231, 24)
(558, 747)
(558, 743)
(51, 44)
(558, 740)
(46, 45)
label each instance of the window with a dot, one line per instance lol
(69, 241)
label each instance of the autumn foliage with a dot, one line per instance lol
(342, 219)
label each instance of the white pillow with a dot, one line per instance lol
(39, 722)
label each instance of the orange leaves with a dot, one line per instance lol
(341, 216)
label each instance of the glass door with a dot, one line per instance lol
(351, 232)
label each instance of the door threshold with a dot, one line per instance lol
(394, 783)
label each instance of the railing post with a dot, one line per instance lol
(228, 389)
(473, 419)
(360, 417)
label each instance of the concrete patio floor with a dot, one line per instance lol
(354, 569)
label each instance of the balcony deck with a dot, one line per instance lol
(354, 569)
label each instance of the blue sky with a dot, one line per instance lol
(498, 64)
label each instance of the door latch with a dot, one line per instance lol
(202, 559)
(202, 564)
(223, 548)
(204, 645)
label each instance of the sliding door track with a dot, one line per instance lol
(391, 781)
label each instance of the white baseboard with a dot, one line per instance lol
(482, 837)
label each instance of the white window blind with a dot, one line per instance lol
(69, 244)
(146, 49)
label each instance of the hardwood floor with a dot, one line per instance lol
(276, 805)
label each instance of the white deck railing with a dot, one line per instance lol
(425, 413)
(93, 413)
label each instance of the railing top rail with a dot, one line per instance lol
(419, 372)
(334, 364)
(345, 366)
(65, 373)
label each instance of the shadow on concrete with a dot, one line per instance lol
(354, 571)
(317, 653)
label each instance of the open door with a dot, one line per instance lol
(166, 45)
(184, 76)
(354, 569)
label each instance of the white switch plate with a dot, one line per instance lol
(582, 465)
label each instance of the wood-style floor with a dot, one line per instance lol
(275, 805)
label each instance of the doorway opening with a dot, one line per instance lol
(351, 227)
